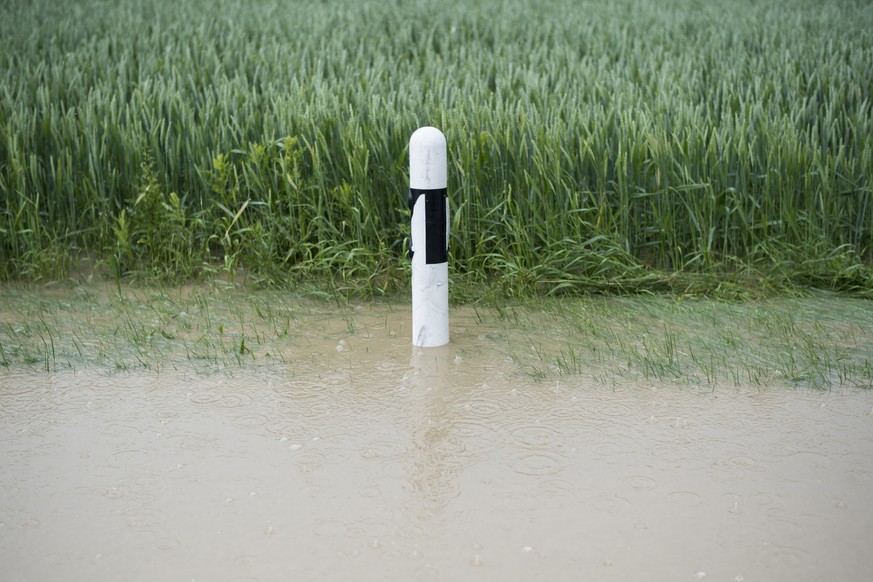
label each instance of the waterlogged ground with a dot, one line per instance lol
(206, 436)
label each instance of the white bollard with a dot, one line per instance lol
(429, 242)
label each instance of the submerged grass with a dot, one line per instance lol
(208, 330)
(815, 341)
(599, 146)
(818, 341)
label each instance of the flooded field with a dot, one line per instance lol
(186, 438)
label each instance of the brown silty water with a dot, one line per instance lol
(367, 459)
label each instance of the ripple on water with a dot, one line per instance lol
(808, 438)
(121, 429)
(49, 448)
(858, 477)
(167, 544)
(612, 409)
(301, 391)
(41, 405)
(127, 456)
(609, 449)
(315, 409)
(167, 413)
(558, 486)
(281, 427)
(370, 492)
(330, 528)
(388, 551)
(641, 482)
(110, 493)
(384, 449)
(220, 400)
(535, 436)
(309, 461)
(135, 490)
(349, 552)
(391, 367)
(372, 528)
(429, 496)
(144, 517)
(780, 557)
(564, 412)
(193, 441)
(481, 408)
(809, 459)
(611, 503)
(312, 388)
(15, 385)
(411, 531)
(745, 463)
(472, 429)
(449, 446)
(246, 560)
(250, 421)
(683, 499)
(540, 463)
(674, 451)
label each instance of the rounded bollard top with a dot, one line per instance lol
(427, 159)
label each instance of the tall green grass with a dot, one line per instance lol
(592, 145)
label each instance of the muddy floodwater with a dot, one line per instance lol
(354, 456)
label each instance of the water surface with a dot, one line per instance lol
(358, 457)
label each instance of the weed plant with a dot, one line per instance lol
(596, 145)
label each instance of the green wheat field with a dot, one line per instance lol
(594, 146)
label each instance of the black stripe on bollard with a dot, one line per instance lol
(435, 223)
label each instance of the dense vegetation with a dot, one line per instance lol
(601, 145)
